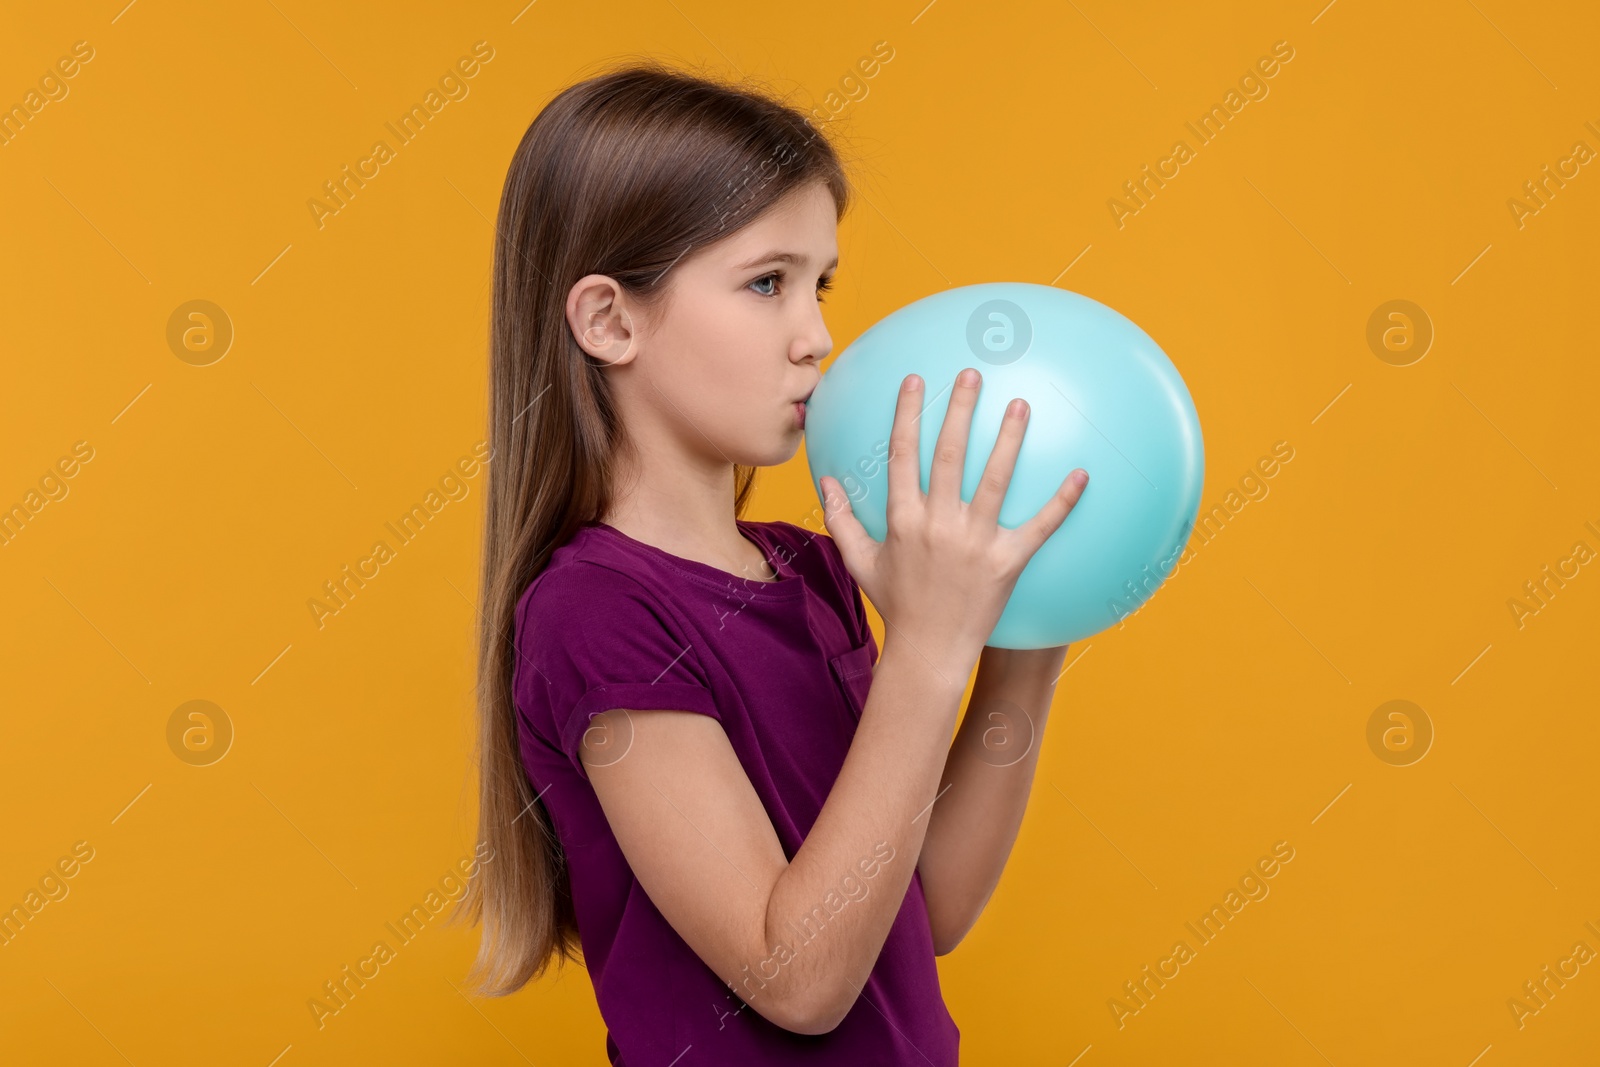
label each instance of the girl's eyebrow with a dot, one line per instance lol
(781, 257)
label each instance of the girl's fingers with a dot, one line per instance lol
(950, 451)
(1049, 518)
(841, 522)
(905, 469)
(991, 491)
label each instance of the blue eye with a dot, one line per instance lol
(823, 284)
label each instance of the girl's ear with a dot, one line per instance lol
(602, 325)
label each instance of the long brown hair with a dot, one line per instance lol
(622, 174)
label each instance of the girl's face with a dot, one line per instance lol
(720, 369)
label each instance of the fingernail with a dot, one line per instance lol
(913, 382)
(1081, 478)
(1017, 407)
(968, 377)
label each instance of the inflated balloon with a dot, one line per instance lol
(1103, 396)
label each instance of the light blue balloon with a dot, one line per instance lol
(1103, 396)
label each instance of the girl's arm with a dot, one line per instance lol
(796, 940)
(985, 786)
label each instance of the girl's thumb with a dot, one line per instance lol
(843, 526)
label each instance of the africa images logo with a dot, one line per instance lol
(999, 332)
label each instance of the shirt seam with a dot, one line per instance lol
(757, 590)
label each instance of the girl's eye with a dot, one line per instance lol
(823, 284)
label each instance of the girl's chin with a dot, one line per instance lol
(783, 451)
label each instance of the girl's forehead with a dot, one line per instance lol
(804, 219)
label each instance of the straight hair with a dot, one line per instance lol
(622, 174)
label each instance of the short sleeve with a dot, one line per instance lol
(591, 639)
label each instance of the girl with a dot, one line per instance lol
(685, 775)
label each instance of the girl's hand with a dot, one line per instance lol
(944, 571)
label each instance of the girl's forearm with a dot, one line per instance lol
(985, 787)
(826, 906)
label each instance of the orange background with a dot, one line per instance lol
(1230, 714)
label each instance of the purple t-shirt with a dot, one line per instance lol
(784, 666)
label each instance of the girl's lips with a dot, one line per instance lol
(799, 416)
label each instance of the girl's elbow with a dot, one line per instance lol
(793, 1012)
(822, 1022)
(946, 936)
(814, 1027)
(816, 1011)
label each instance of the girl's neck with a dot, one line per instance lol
(725, 548)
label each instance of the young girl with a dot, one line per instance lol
(685, 774)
